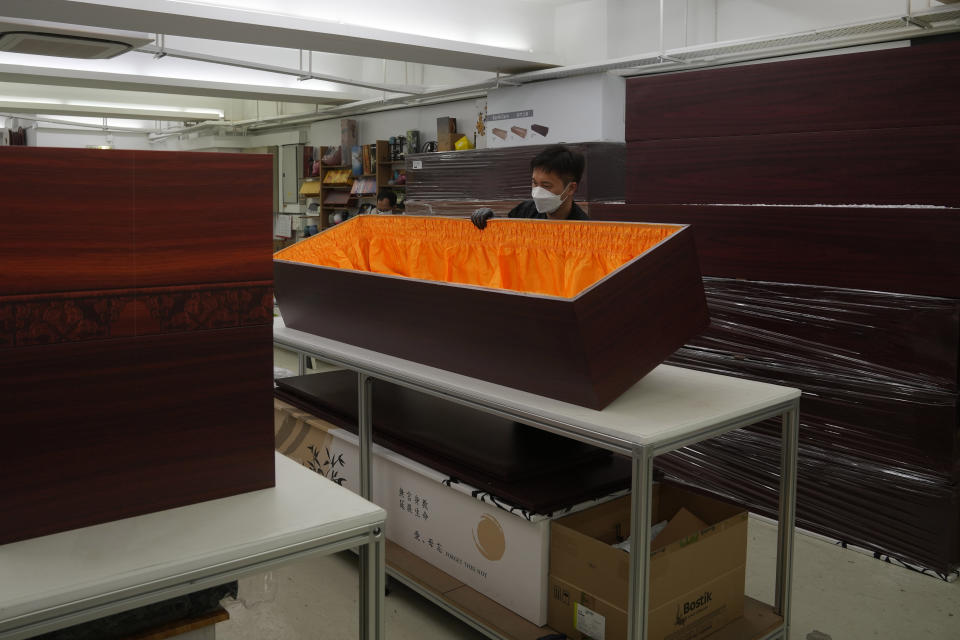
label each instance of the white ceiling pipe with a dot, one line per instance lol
(299, 73)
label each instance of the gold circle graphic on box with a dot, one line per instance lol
(489, 539)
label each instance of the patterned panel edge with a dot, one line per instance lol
(59, 318)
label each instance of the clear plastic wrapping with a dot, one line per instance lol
(504, 174)
(901, 512)
(879, 454)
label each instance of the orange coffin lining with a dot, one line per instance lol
(532, 256)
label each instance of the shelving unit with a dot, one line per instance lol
(383, 175)
(325, 188)
(385, 168)
(652, 418)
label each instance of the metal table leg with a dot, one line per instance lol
(373, 555)
(640, 505)
(788, 505)
(301, 363)
(372, 586)
(365, 430)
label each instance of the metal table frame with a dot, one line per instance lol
(86, 602)
(367, 369)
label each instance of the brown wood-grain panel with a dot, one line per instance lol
(908, 166)
(202, 217)
(902, 250)
(428, 322)
(96, 431)
(668, 286)
(504, 174)
(906, 86)
(66, 219)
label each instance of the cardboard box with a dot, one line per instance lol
(446, 133)
(497, 550)
(697, 570)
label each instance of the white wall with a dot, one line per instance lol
(580, 32)
(737, 19)
(633, 26)
(586, 108)
(592, 30)
(51, 136)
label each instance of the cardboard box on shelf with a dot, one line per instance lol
(446, 133)
(697, 568)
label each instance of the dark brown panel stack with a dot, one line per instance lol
(847, 289)
(504, 174)
(135, 324)
(897, 249)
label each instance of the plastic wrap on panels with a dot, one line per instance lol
(504, 174)
(893, 511)
(879, 432)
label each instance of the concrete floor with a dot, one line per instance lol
(838, 592)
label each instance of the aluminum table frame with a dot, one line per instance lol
(609, 429)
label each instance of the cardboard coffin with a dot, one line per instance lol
(576, 311)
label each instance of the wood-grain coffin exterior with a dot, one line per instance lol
(585, 349)
(135, 333)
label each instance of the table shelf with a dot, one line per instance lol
(68, 578)
(667, 409)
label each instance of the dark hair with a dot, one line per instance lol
(389, 195)
(558, 159)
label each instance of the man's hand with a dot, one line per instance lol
(480, 216)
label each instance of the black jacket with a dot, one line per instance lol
(528, 209)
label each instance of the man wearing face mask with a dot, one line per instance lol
(556, 171)
(386, 201)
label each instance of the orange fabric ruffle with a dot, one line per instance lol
(532, 256)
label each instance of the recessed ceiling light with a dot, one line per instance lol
(42, 38)
(60, 46)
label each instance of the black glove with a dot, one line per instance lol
(480, 216)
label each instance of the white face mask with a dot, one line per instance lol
(546, 201)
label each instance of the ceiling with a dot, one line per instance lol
(220, 56)
(286, 51)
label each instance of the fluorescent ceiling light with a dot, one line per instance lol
(116, 105)
(144, 107)
(30, 100)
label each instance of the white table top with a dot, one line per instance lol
(82, 565)
(667, 404)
